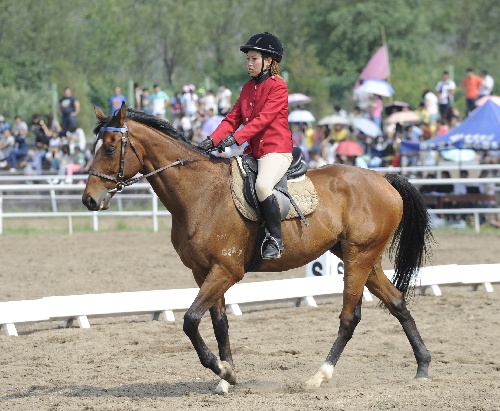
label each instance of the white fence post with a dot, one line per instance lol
(1, 213)
(155, 211)
(95, 220)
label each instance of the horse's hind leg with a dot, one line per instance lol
(356, 273)
(346, 331)
(381, 287)
(221, 331)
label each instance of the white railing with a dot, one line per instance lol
(51, 191)
(52, 194)
(156, 302)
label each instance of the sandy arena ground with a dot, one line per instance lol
(129, 363)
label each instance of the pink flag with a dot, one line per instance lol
(377, 67)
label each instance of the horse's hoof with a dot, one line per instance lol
(222, 388)
(325, 373)
(226, 372)
(421, 378)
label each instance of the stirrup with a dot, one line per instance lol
(270, 241)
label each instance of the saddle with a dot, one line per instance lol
(295, 193)
(297, 169)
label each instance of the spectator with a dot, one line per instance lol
(76, 164)
(145, 102)
(316, 160)
(338, 133)
(186, 126)
(471, 85)
(3, 124)
(116, 100)
(442, 128)
(20, 131)
(176, 105)
(339, 111)
(53, 125)
(224, 99)
(356, 113)
(190, 102)
(362, 100)
(376, 108)
(209, 101)
(445, 188)
(69, 108)
(137, 96)
(159, 102)
(431, 104)
(445, 89)
(486, 88)
(76, 138)
(7, 143)
(42, 138)
(423, 113)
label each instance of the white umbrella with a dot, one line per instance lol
(332, 119)
(376, 86)
(300, 116)
(482, 101)
(403, 117)
(367, 126)
(296, 99)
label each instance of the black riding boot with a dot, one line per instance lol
(273, 244)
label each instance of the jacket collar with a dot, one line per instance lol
(262, 78)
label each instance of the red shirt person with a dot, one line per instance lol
(262, 109)
(471, 85)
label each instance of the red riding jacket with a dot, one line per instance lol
(263, 111)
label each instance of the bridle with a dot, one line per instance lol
(120, 182)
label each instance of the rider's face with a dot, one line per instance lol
(254, 62)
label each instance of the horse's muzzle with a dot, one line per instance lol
(93, 205)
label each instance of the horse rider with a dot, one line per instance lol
(262, 108)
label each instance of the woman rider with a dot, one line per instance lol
(262, 108)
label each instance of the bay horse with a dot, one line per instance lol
(360, 214)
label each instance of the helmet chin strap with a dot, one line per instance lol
(262, 70)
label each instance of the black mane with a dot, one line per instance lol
(156, 123)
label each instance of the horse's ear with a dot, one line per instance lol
(121, 115)
(99, 114)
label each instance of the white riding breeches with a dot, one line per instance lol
(272, 167)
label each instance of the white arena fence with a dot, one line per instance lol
(57, 193)
(322, 279)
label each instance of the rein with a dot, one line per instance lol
(120, 182)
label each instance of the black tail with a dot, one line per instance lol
(411, 244)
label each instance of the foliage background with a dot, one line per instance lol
(93, 45)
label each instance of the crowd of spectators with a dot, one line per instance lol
(61, 148)
(435, 116)
(46, 144)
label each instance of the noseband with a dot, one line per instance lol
(119, 180)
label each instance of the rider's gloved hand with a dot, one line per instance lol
(207, 144)
(227, 142)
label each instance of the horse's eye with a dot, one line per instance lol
(110, 150)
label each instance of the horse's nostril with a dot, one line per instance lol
(89, 202)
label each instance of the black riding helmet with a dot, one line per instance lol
(266, 43)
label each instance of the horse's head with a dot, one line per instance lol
(115, 160)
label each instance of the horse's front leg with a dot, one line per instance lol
(221, 331)
(211, 291)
